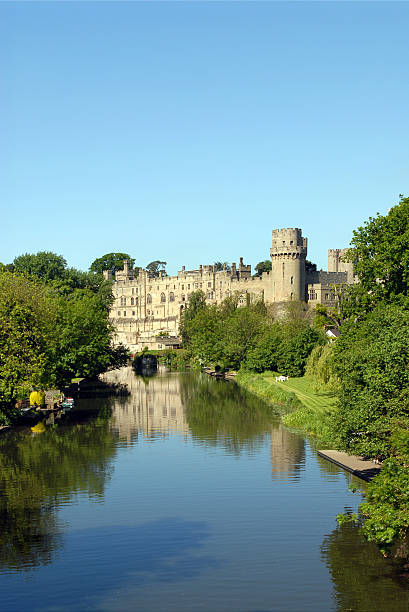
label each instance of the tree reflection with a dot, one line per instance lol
(221, 413)
(363, 580)
(39, 473)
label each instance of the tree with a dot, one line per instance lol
(197, 302)
(372, 363)
(110, 261)
(45, 265)
(156, 268)
(263, 266)
(84, 346)
(27, 323)
(381, 260)
(219, 265)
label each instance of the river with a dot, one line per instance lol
(187, 495)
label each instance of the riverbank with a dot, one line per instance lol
(303, 407)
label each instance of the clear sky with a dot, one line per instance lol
(188, 131)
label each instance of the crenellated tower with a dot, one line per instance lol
(288, 254)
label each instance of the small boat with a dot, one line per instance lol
(67, 403)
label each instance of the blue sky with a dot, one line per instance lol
(188, 131)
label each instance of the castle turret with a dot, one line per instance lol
(288, 254)
(336, 263)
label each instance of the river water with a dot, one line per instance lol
(186, 496)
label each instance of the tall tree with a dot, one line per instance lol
(156, 268)
(45, 265)
(110, 261)
(262, 266)
(381, 259)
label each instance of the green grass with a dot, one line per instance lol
(311, 410)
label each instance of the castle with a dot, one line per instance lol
(146, 310)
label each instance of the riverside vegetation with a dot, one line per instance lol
(53, 327)
(352, 393)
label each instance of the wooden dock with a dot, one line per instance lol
(351, 463)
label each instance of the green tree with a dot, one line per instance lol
(45, 265)
(220, 265)
(381, 261)
(197, 302)
(110, 261)
(262, 266)
(27, 323)
(84, 345)
(156, 268)
(372, 363)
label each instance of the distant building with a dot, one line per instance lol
(146, 310)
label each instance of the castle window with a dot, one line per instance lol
(162, 297)
(136, 301)
(157, 287)
(148, 312)
(283, 241)
(291, 241)
(149, 298)
(132, 301)
(283, 270)
(124, 313)
(201, 284)
(183, 298)
(119, 313)
(292, 280)
(188, 286)
(136, 291)
(209, 284)
(133, 313)
(132, 290)
(183, 287)
(171, 297)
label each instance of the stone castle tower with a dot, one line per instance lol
(288, 254)
(337, 264)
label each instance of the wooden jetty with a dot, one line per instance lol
(351, 463)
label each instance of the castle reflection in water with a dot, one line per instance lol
(157, 406)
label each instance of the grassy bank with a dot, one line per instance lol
(304, 407)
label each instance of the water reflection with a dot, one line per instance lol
(287, 453)
(154, 407)
(363, 580)
(37, 475)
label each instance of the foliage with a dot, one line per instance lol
(329, 316)
(320, 367)
(295, 350)
(27, 316)
(197, 302)
(221, 265)
(263, 266)
(174, 359)
(110, 261)
(84, 345)
(371, 359)
(265, 354)
(44, 264)
(156, 268)
(381, 261)
(48, 337)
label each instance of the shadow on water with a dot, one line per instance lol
(363, 580)
(40, 473)
(112, 557)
